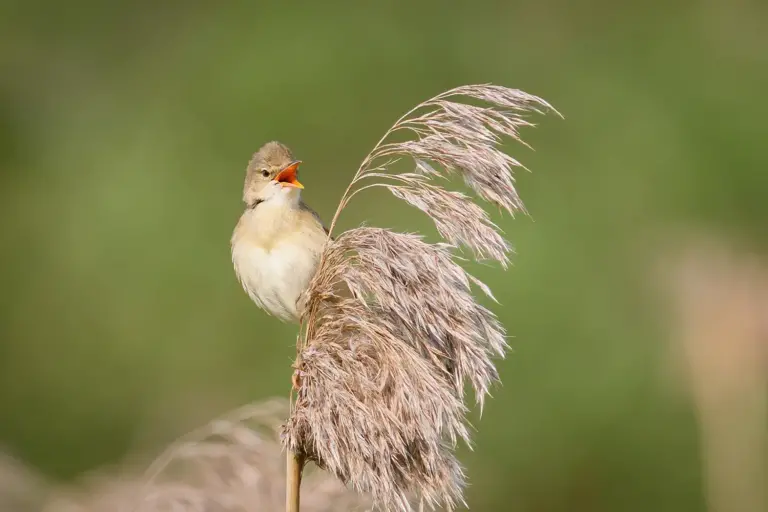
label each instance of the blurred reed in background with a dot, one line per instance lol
(234, 464)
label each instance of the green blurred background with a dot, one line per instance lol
(125, 128)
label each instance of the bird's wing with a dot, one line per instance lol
(307, 209)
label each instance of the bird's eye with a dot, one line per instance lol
(264, 172)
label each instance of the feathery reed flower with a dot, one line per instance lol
(392, 329)
(233, 464)
(21, 489)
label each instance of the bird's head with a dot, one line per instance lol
(272, 174)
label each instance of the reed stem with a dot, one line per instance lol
(293, 482)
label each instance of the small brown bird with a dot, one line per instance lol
(277, 243)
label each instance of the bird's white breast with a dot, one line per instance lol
(275, 261)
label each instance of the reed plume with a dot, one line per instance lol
(21, 489)
(235, 464)
(392, 330)
(232, 464)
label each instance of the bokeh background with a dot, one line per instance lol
(637, 379)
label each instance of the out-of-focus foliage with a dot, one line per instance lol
(124, 134)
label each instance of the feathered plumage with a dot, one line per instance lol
(277, 243)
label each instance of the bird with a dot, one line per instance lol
(278, 241)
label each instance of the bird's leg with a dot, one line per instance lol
(296, 377)
(296, 380)
(301, 302)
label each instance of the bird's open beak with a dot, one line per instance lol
(287, 177)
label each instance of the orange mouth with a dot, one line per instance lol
(287, 177)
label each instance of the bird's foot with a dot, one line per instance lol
(296, 379)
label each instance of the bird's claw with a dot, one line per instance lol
(296, 380)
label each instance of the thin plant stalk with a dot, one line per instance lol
(294, 461)
(294, 468)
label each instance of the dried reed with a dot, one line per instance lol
(392, 330)
(719, 295)
(21, 489)
(233, 464)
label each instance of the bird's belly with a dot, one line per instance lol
(276, 277)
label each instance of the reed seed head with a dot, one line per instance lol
(393, 330)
